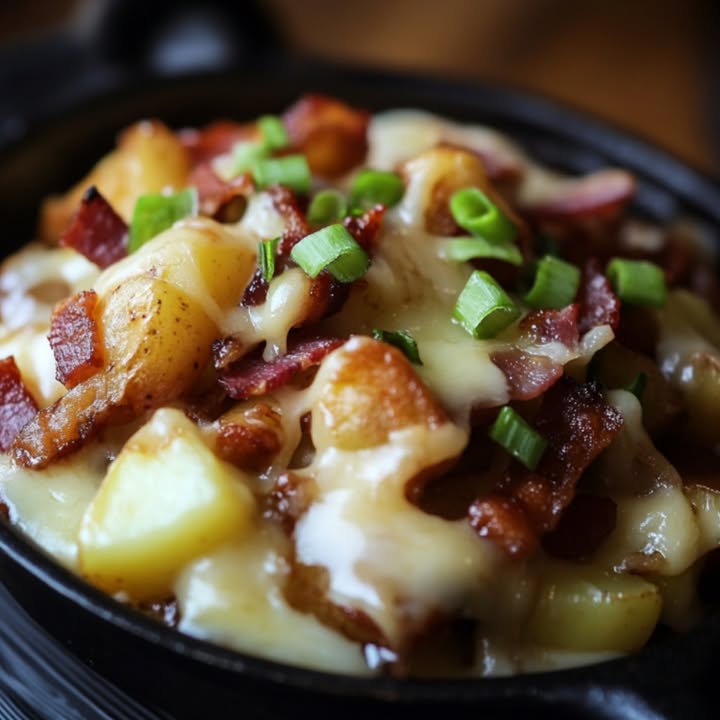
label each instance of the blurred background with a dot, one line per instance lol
(650, 66)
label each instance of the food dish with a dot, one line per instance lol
(412, 285)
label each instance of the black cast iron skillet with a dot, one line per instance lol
(672, 678)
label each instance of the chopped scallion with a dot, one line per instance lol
(266, 257)
(401, 340)
(333, 249)
(291, 170)
(556, 284)
(638, 282)
(156, 212)
(473, 211)
(273, 132)
(463, 249)
(483, 307)
(373, 187)
(328, 206)
(514, 434)
(244, 154)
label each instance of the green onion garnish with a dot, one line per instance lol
(556, 284)
(333, 249)
(483, 307)
(523, 442)
(638, 385)
(266, 257)
(401, 340)
(273, 132)
(244, 154)
(292, 171)
(327, 206)
(473, 211)
(638, 282)
(156, 212)
(373, 187)
(463, 249)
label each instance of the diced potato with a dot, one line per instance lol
(586, 609)
(165, 501)
(149, 158)
(365, 390)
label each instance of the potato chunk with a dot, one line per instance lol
(165, 501)
(586, 609)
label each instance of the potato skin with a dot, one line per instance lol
(364, 391)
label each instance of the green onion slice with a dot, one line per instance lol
(266, 257)
(463, 249)
(402, 340)
(333, 249)
(475, 212)
(156, 212)
(373, 187)
(523, 442)
(244, 154)
(483, 308)
(327, 206)
(638, 282)
(273, 132)
(556, 284)
(291, 170)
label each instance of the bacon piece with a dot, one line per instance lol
(75, 339)
(97, 231)
(216, 139)
(296, 226)
(217, 196)
(602, 194)
(17, 405)
(331, 134)
(366, 227)
(4, 510)
(577, 424)
(290, 497)
(530, 374)
(599, 305)
(252, 376)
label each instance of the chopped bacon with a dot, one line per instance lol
(365, 228)
(4, 510)
(216, 139)
(599, 305)
(296, 226)
(97, 231)
(530, 374)
(17, 405)
(216, 195)
(331, 134)
(256, 291)
(327, 296)
(602, 194)
(252, 376)
(250, 437)
(75, 339)
(577, 424)
(290, 497)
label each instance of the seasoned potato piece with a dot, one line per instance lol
(148, 158)
(585, 609)
(363, 391)
(165, 500)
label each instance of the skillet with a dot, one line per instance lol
(53, 145)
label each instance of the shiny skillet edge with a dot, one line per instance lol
(556, 135)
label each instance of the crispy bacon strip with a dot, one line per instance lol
(530, 374)
(296, 226)
(577, 424)
(97, 231)
(252, 376)
(17, 405)
(602, 194)
(216, 139)
(366, 227)
(331, 134)
(75, 339)
(599, 305)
